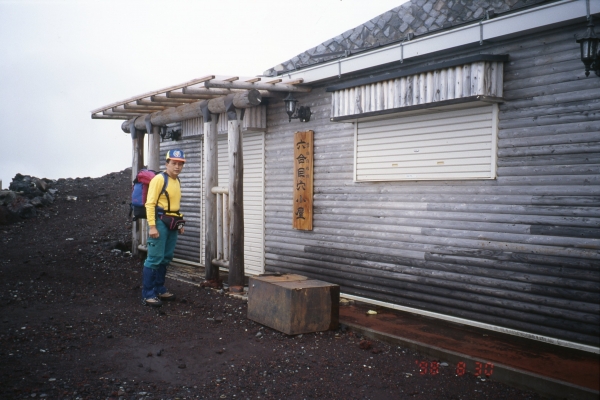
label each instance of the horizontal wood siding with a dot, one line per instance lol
(188, 244)
(521, 251)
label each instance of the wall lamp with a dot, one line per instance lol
(302, 113)
(170, 133)
(589, 49)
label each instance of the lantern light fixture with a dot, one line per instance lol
(589, 43)
(302, 113)
(170, 133)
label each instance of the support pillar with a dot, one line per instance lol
(236, 198)
(137, 163)
(154, 149)
(153, 164)
(211, 173)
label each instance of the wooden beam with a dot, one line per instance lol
(135, 107)
(121, 117)
(176, 114)
(274, 81)
(177, 95)
(193, 110)
(279, 87)
(174, 103)
(232, 79)
(205, 91)
(129, 113)
(137, 163)
(253, 80)
(154, 149)
(211, 155)
(155, 92)
(165, 99)
(224, 92)
(250, 98)
(236, 204)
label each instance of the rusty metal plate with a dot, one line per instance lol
(281, 278)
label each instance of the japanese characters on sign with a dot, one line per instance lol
(303, 181)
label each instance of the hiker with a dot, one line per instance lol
(165, 223)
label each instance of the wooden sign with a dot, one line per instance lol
(303, 181)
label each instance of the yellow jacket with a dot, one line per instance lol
(152, 200)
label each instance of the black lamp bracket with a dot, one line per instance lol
(173, 134)
(590, 48)
(303, 113)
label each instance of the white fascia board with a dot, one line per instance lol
(503, 26)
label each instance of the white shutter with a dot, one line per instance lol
(253, 197)
(432, 145)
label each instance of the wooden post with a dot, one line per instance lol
(153, 164)
(211, 173)
(137, 163)
(154, 149)
(236, 199)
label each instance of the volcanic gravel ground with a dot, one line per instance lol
(72, 326)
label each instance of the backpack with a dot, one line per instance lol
(139, 192)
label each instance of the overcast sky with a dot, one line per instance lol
(61, 59)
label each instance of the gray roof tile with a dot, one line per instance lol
(419, 16)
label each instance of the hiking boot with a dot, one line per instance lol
(167, 296)
(152, 302)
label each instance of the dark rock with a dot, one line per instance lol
(6, 217)
(365, 344)
(40, 184)
(16, 205)
(36, 201)
(27, 211)
(47, 199)
(7, 197)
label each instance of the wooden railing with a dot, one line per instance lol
(222, 259)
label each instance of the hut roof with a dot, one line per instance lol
(419, 17)
(205, 88)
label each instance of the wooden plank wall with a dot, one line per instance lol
(521, 251)
(479, 78)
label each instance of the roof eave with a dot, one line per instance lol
(507, 25)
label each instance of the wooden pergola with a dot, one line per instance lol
(205, 97)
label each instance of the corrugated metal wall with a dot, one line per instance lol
(483, 78)
(520, 251)
(188, 244)
(253, 197)
(447, 144)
